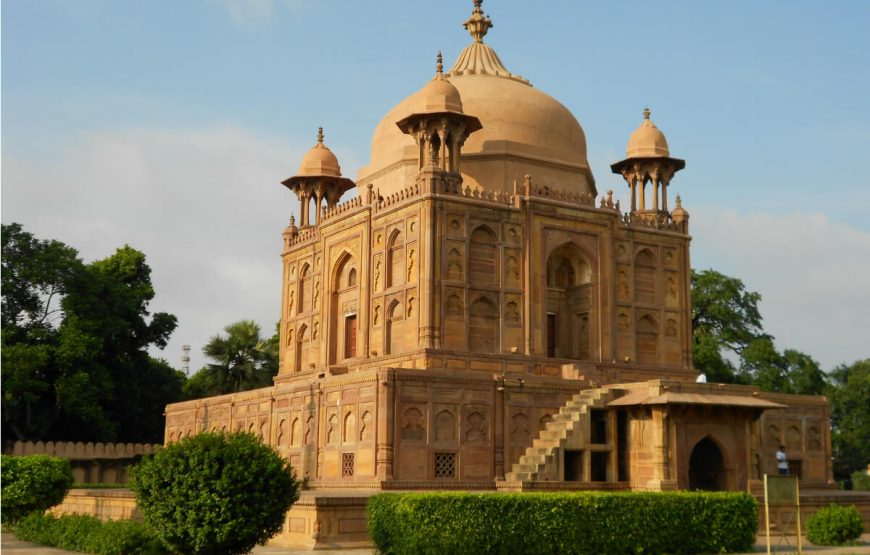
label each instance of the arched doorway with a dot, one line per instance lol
(568, 303)
(706, 467)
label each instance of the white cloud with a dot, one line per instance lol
(812, 274)
(206, 207)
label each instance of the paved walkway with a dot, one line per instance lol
(12, 545)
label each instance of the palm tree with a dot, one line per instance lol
(241, 359)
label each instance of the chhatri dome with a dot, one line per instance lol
(319, 160)
(521, 126)
(647, 141)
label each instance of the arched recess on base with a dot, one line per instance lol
(707, 471)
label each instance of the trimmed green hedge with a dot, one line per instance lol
(32, 484)
(215, 493)
(86, 534)
(581, 523)
(835, 525)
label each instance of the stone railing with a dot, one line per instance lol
(399, 196)
(92, 463)
(304, 235)
(339, 209)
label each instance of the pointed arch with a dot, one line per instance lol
(483, 324)
(569, 302)
(302, 343)
(344, 298)
(445, 426)
(348, 428)
(482, 255)
(303, 295)
(647, 339)
(707, 466)
(395, 259)
(395, 327)
(645, 288)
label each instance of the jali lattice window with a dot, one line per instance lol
(347, 465)
(445, 465)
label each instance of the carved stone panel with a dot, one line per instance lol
(412, 423)
(456, 225)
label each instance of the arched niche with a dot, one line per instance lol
(395, 259)
(304, 293)
(483, 324)
(343, 309)
(395, 340)
(302, 350)
(483, 256)
(647, 340)
(568, 303)
(645, 288)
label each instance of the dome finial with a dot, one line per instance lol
(679, 202)
(478, 24)
(646, 113)
(320, 135)
(439, 65)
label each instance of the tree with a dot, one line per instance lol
(849, 397)
(242, 360)
(727, 328)
(725, 319)
(75, 336)
(215, 493)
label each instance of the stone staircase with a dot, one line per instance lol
(541, 461)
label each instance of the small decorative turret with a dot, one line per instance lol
(648, 160)
(319, 178)
(440, 128)
(680, 214)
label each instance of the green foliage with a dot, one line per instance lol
(241, 360)
(861, 480)
(849, 396)
(835, 525)
(86, 534)
(215, 493)
(32, 484)
(75, 363)
(727, 327)
(545, 523)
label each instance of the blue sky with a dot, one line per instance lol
(168, 125)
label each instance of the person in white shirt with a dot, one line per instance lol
(782, 461)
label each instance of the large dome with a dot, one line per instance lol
(525, 131)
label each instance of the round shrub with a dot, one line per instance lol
(214, 493)
(835, 525)
(32, 484)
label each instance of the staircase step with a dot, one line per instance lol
(545, 443)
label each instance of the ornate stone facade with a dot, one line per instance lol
(477, 316)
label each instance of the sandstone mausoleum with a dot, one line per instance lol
(479, 316)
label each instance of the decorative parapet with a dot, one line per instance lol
(78, 450)
(342, 208)
(304, 235)
(575, 197)
(479, 193)
(397, 197)
(654, 220)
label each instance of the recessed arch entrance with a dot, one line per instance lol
(707, 467)
(568, 302)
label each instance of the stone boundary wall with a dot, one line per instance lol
(104, 504)
(92, 463)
